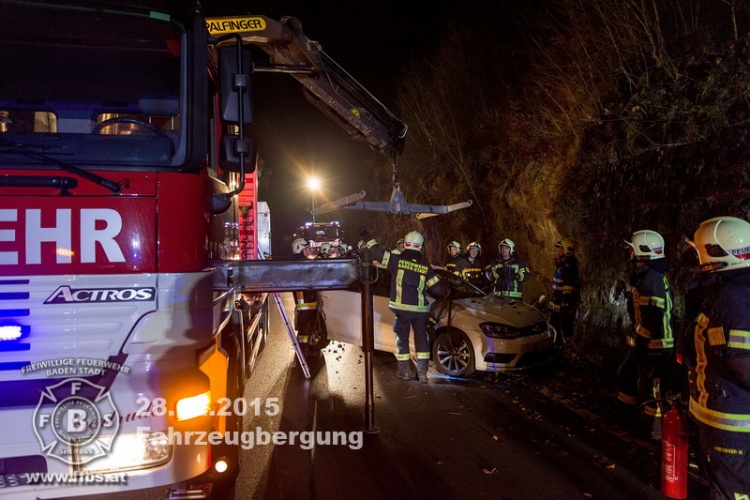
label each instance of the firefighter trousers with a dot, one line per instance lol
(405, 321)
(727, 461)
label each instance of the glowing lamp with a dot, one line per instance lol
(194, 406)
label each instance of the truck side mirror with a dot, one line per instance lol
(235, 74)
(231, 147)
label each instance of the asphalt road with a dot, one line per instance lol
(447, 439)
(508, 437)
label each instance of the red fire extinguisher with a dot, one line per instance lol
(674, 454)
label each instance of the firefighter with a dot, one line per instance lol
(343, 250)
(411, 277)
(566, 288)
(456, 262)
(305, 301)
(399, 247)
(717, 355)
(508, 272)
(325, 251)
(472, 271)
(641, 378)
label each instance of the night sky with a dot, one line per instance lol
(374, 42)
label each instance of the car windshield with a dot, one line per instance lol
(460, 288)
(88, 86)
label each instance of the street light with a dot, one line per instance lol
(313, 184)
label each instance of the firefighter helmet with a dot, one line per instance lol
(647, 245)
(413, 241)
(722, 243)
(325, 250)
(475, 244)
(455, 244)
(298, 245)
(507, 242)
(567, 246)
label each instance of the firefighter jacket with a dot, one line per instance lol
(650, 307)
(566, 287)
(456, 264)
(472, 271)
(718, 358)
(411, 277)
(509, 276)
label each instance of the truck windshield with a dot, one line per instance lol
(89, 87)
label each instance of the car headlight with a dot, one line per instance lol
(500, 331)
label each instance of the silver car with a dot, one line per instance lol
(471, 330)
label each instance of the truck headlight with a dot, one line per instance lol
(132, 452)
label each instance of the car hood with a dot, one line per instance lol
(499, 310)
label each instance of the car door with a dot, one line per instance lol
(343, 310)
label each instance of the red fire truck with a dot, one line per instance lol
(131, 311)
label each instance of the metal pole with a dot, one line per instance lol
(368, 337)
(313, 207)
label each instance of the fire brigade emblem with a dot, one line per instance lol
(75, 421)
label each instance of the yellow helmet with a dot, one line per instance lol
(567, 246)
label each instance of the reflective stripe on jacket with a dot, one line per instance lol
(718, 357)
(565, 284)
(650, 308)
(509, 276)
(411, 276)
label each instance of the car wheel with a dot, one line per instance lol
(453, 354)
(317, 335)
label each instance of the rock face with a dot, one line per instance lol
(617, 119)
(670, 190)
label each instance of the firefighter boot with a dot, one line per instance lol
(422, 366)
(403, 370)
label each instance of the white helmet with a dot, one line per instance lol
(647, 245)
(723, 243)
(413, 241)
(507, 243)
(455, 244)
(476, 245)
(298, 245)
(325, 249)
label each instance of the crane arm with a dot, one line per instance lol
(327, 85)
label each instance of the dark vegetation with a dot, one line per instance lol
(583, 119)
